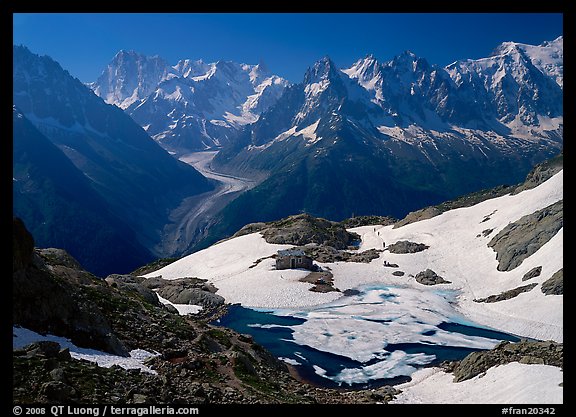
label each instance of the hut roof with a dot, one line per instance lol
(291, 252)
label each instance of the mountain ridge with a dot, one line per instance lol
(192, 105)
(138, 180)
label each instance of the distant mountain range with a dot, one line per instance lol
(387, 138)
(192, 105)
(104, 170)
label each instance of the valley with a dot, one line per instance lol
(190, 221)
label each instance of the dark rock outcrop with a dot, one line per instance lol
(134, 284)
(416, 216)
(547, 353)
(179, 294)
(430, 277)
(22, 246)
(405, 246)
(368, 221)
(328, 254)
(302, 229)
(189, 290)
(49, 303)
(323, 281)
(555, 284)
(506, 295)
(533, 273)
(522, 238)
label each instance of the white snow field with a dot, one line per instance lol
(513, 383)
(395, 310)
(22, 337)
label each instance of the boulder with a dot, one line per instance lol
(405, 246)
(57, 391)
(133, 284)
(430, 277)
(178, 295)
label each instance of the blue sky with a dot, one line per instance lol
(288, 43)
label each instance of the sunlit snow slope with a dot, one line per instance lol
(456, 252)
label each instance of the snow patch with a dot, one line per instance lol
(183, 309)
(22, 337)
(513, 383)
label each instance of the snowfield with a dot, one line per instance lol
(229, 265)
(513, 383)
(392, 310)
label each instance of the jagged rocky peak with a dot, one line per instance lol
(129, 77)
(365, 68)
(324, 69)
(189, 68)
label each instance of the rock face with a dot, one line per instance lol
(405, 246)
(533, 273)
(506, 295)
(547, 353)
(430, 277)
(555, 284)
(520, 239)
(22, 246)
(45, 304)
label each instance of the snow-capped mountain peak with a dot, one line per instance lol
(192, 105)
(130, 77)
(323, 69)
(188, 68)
(366, 70)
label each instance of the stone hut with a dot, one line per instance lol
(293, 259)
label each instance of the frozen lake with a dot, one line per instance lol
(379, 336)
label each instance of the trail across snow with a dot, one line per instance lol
(189, 222)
